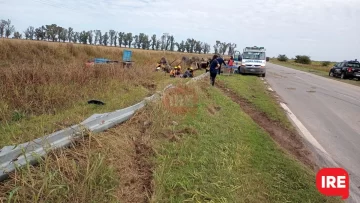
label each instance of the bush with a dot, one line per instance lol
(325, 63)
(282, 57)
(302, 59)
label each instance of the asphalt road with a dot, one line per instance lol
(329, 109)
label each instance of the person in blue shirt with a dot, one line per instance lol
(221, 61)
(214, 66)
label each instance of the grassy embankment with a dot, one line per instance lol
(315, 67)
(252, 89)
(45, 86)
(214, 152)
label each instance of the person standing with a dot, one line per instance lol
(214, 66)
(220, 61)
(231, 64)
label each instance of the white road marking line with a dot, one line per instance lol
(354, 195)
(303, 129)
(354, 190)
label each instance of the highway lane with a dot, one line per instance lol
(329, 109)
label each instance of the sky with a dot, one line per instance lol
(321, 29)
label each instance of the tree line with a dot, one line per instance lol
(167, 42)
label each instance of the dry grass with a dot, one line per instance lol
(202, 157)
(45, 85)
(110, 167)
(40, 77)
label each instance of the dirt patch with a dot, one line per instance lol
(174, 136)
(213, 109)
(311, 91)
(132, 157)
(188, 130)
(287, 139)
(141, 132)
(150, 86)
(139, 172)
(144, 167)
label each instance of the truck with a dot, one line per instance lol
(251, 61)
(346, 69)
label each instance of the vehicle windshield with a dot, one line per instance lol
(354, 65)
(254, 55)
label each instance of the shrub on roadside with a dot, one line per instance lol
(282, 58)
(302, 59)
(325, 63)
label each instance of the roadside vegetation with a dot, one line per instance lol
(304, 63)
(252, 90)
(45, 86)
(198, 143)
(208, 150)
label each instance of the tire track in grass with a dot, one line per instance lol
(287, 139)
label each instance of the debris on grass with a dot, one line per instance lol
(97, 102)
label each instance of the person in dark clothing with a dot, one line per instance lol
(189, 73)
(221, 61)
(214, 66)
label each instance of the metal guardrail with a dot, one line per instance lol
(12, 157)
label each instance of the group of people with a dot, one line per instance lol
(215, 67)
(176, 72)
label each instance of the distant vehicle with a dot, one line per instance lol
(253, 61)
(346, 69)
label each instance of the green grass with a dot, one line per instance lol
(45, 86)
(315, 68)
(253, 90)
(230, 159)
(37, 126)
(115, 97)
(72, 175)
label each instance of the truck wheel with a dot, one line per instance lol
(263, 75)
(331, 74)
(343, 76)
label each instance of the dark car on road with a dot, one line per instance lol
(346, 69)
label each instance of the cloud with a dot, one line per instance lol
(324, 29)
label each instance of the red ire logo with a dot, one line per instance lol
(333, 182)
